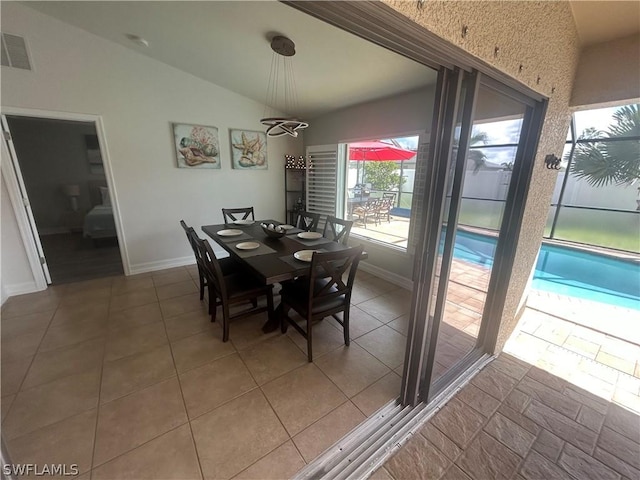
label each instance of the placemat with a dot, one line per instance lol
(294, 231)
(237, 238)
(261, 250)
(294, 262)
(310, 243)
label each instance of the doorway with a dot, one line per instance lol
(61, 173)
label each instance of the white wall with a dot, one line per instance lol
(138, 98)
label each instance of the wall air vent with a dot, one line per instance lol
(14, 52)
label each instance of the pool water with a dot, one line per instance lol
(567, 271)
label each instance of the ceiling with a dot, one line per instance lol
(227, 43)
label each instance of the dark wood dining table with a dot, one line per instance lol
(274, 260)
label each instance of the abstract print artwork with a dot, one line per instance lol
(248, 150)
(197, 146)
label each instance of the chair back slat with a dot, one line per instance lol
(337, 229)
(233, 214)
(326, 279)
(307, 221)
(211, 266)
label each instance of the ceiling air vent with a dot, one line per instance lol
(14, 52)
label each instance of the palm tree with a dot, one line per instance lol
(477, 156)
(614, 161)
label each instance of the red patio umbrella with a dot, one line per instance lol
(377, 151)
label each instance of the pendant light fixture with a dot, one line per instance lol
(282, 97)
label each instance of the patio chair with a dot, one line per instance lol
(307, 221)
(383, 209)
(230, 215)
(232, 289)
(321, 294)
(337, 229)
(367, 210)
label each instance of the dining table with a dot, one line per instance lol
(271, 260)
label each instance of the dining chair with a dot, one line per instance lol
(321, 294)
(307, 221)
(230, 215)
(232, 289)
(337, 229)
(228, 265)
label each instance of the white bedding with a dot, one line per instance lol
(99, 223)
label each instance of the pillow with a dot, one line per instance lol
(106, 198)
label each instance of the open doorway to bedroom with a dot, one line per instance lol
(64, 179)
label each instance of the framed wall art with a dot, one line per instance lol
(197, 146)
(248, 149)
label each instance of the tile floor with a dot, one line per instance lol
(548, 407)
(127, 378)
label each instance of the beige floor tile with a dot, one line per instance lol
(54, 401)
(385, 308)
(386, 345)
(256, 432)
(40, 302)
(171, 456)
(302, 396)
(135, 316)
(12, 374)
(359, 322)
(130, 284)
(613, 361)
(272, 358)
(86, 286)
(172, 290)
(380, 393)
(129, 341)
(283, 462)
(183, 304)
(130, 421)
(5, 404)
(20, 346)
(132, 373)
(199, 349)
(326, 338)
(360, 293)
(67, 442)
(35, 322)
(131, 299)
(400, 324)
(582, 346)
(54, 364)
(207, 387)
(315, 439)
(84, 296)
(352, 368)
(66, 334)
(188, 324)
(95, 311)
(245, 332)
(171, 277)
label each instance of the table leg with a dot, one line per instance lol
(273, 323)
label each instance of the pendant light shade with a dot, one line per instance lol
(282, 96)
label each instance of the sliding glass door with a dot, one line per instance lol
(474, 198)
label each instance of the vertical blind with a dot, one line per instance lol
(322, 176)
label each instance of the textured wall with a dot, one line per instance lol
(540, 36)
(608, 72)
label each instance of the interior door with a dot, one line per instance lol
(483, 146)
(13, 164)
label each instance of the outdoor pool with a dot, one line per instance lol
(567, 271)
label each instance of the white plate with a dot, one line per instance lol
(247, 245)
(304, 255)
(244, 222)
(287, 227)
(232, 232)
(310, 235)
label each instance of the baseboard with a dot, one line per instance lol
(161, 265)
(18, 289)
(386, 275)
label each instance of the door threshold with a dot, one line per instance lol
(367, 447)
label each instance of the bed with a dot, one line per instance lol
(98, 222)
